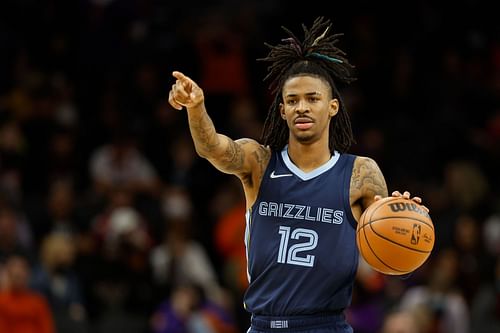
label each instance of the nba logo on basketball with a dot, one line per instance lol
(415, 235)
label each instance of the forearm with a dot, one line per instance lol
(206, 140)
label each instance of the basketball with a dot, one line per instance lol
(395, 235)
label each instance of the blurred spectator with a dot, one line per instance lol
(466, 184)
(66, 112)
(120, 163)
(166, 128)
(474, 260)
(176, 204)
(38, 126)
(368, 305)
(19, 98)
(244, 119)
(121, 222)
(21, 309)
(183, 159)
(188, 311)
(59, 211)
(12, 160)
(222, 57)
(179, 258)
(491, 234)
(56, 279)
(122, 283)
(64, 161)
(441, 297)
(400, 321)
(15, 232)
(229, 209)
(229, 234)
(485, 311)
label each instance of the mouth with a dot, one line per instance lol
(303, 123)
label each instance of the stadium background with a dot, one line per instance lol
(102, 193)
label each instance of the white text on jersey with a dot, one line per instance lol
(301, 212)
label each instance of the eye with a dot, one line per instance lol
(313, 99)
(291, 102)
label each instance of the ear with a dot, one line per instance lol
(333, 107)
(282, 111)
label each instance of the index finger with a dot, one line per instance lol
(183, 79)
(179, 76)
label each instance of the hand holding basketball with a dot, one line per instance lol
(395, 235)
(406, 195)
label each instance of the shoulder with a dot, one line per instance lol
(253, 145)
(367, 181)
(257, 153)
(364, 167)
(363, 171)
(366, 163)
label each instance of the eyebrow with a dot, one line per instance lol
(314, 93)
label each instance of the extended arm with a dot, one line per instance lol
(229, 156)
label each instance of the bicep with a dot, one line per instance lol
(367, 181)
(235, 157)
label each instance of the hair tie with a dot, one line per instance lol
(325, 57)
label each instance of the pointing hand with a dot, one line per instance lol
(185, 92)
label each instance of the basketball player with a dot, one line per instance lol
(303, 192)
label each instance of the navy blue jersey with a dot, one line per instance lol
(300, 238)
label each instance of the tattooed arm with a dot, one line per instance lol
(238, 157)
(367, 181)
(245, 158)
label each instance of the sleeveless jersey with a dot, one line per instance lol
(301, 239)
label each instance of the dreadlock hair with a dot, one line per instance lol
(317, 56)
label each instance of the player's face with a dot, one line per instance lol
(308, 107)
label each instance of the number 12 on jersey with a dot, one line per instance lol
(290, 255)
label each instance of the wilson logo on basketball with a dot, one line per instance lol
(401, 207)
(415, 235)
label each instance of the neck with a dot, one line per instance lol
(308, 157)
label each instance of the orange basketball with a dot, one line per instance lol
(395, 235)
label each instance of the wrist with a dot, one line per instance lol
(196, 109)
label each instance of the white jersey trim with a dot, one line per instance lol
(311, 174)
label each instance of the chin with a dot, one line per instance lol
(305, 138)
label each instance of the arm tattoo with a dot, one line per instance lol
(224, 153)
(367, 180)
(204, 135)
(262, 158)
(233, 157)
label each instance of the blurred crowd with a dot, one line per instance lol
(110, 222)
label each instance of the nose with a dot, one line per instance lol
(302, 106)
